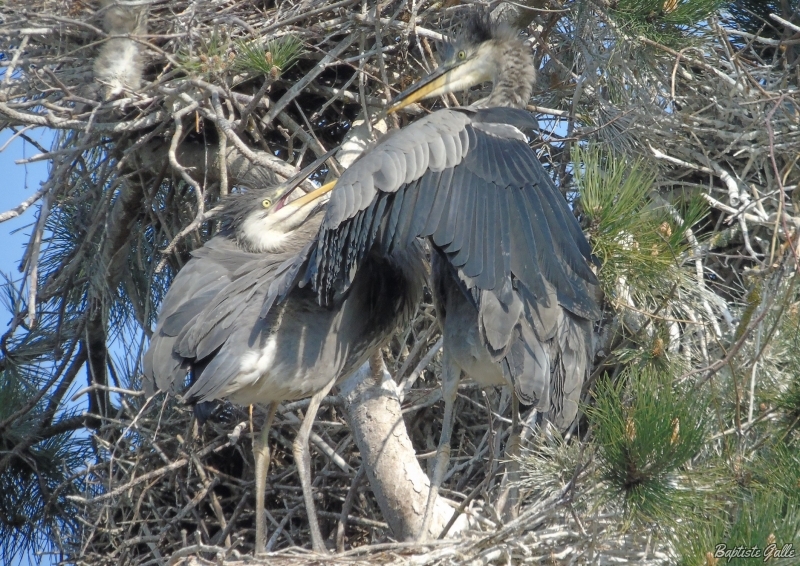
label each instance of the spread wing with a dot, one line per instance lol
(469, 182)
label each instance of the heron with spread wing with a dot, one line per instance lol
(513, 288)
(288, 300)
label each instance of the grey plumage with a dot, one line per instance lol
(511, 281)
(119, 64)
(478, 192)
(214, 340)
(513, 288)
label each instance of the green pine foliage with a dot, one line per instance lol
(646, 430)
(762, 511)
(213, 57)
(34, 506)
(220, 54)
(549, 463)
(784, 395)
(272, 59)
(665, 21)
(659, 455)
(43, 444)
(637, 239)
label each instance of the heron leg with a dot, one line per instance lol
(451, 376)
(261, 451)
(508, 501)
(302, 458)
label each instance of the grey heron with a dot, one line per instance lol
(212, 333)
(266, 318)
(512, 283)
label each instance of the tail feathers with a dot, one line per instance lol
(529, 364)
(503, 309)
(570, 356)
(500, 311)
(163, 369)
(541, 313)
(550, 373)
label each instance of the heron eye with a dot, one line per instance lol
(462, 54)
(266, 203)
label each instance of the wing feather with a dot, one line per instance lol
(464, 221)
(390, 169)
(542, 234)
(504, 212)
(573, 249)
(492, 271)
(423, 160)
(524, 262)
(479, 161)
(427, 191)
(394, 216)
(445, 232)
(406, 216)
(377, 222)
(441, 202)
(478, 190)
(469, 181)
(474, 266)
(437, 149)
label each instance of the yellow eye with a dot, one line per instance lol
(462, 54)
(266, 203)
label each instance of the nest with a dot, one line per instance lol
(134, 185)
(166, 489)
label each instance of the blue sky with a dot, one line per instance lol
(18, 183)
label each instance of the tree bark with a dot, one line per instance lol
(372, 408)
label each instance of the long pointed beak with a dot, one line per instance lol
(421, 89)
(292, 183)
(313, 195)
(456, 76)
(312, 201)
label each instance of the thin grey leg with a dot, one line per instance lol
(451, 376)
(507, 503)
(302, 458)
(261, 451)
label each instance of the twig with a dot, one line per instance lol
(23, 206)
(407, 383)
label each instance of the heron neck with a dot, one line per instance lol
(513, 82)
(254, 237)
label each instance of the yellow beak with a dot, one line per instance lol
(422, 89)
(313, 195)
(453, 77)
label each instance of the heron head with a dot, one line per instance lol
(266, 220)
(482, 53)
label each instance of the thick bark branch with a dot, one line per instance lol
(124, 211)
(372, 407)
